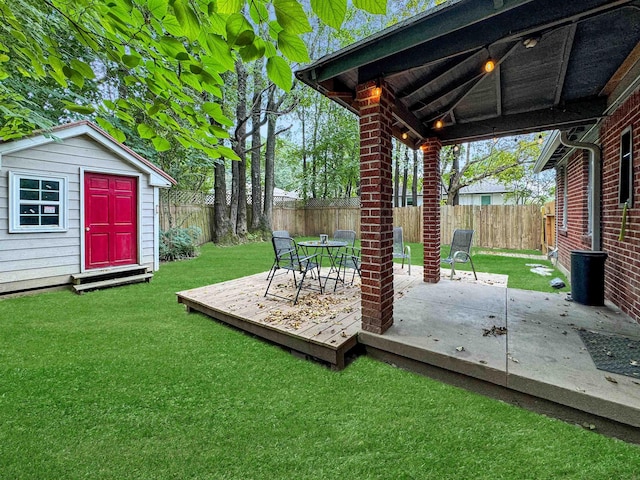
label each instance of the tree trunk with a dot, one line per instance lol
(257, 220)
(396, 180)
(269, 163)
(238, 214)
(405, 175)
(222, 228)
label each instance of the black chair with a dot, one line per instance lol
(460, 250)
(348, 236)
(287, 258)
(277, 233)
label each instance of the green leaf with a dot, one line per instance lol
(293, 47)
(161, 144)
(131, 61)
(219, 50)
(258, 11)
(187, 19)
(230, 6)
(84, 109)
(239, 30)
(171, 46)
(172, 26)
(227, 152)
(377, 7)
(214, 110)
(4, 58)
(253, 51)
(158, 8)
(291, 16)
(331, 12)
(279, 72)
(145, 131)
(83, 68)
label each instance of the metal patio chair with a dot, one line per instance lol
(460, 250)
(348, 259)
(400, 250)
(287, 258)
(277, 233)
(348, 236)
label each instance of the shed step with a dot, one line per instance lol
(113, 282)
(106, 274)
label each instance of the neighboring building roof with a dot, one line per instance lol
(279, 192)
(555, 64)
(485, 187)
(158, 176)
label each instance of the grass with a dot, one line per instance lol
(122, 383)
(520, 275)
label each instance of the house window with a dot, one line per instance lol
(485, 200)
(37, 204)
(626, 168)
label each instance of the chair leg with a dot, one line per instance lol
(409, 263)
(473, 268)
(453, 268)
(270, 280)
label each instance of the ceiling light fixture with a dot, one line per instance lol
(489, 66)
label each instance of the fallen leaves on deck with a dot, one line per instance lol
(494, 331)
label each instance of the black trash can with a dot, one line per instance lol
(587, 276)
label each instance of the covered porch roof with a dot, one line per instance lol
(557, 64)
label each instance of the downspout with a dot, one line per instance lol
(594, 165)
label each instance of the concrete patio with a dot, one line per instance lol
(534, 356)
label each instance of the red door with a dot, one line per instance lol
(110, 220)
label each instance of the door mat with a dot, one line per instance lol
(612, 353)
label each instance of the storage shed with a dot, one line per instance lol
(77, 206)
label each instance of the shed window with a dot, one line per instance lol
(485, 200)
(626, 168)
(37, 204)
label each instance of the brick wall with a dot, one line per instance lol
(431, 210)
(376, 214)
(575, 235)
(622, 268)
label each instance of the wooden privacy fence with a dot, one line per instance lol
(178, 209)
(496, 226)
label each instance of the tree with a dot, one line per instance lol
(497, 159)
(168, 48)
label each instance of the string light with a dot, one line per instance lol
(405, 135)
(438, 125)
(489, 66)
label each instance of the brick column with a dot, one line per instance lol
(376, 210)
(431, 209)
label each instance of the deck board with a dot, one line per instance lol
(324, 326)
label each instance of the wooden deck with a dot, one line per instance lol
(322, 326)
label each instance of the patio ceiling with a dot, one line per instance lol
(556, 64)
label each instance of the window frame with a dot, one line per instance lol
(482, 200)
(629, 167)
(15, 202)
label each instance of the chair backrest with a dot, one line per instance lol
(280, 233)
(461, 242)
(283, 248)
(398, 241)
(345, 236)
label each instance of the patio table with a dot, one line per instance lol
(332, 248)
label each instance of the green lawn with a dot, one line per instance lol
(122, 383)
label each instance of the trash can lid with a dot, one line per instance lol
(590, 253)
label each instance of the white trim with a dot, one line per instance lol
(628, 130)
(156, 229)
(155, 178)
(14, 202)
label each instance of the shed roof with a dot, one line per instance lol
(84, 127)
(557, 62)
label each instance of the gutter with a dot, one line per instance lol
(550, 146)
(594, 164)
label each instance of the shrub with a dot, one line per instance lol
(178, 243)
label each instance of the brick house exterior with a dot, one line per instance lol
(622, 267)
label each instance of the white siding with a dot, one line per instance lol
(42, 259)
